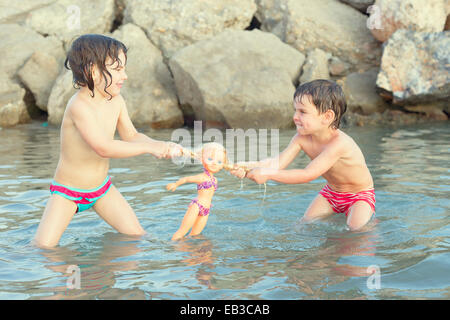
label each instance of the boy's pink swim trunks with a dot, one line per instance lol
(342, 201)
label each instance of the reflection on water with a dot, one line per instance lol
(253, 246)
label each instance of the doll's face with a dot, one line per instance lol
(213, 159)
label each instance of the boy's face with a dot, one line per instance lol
(213, 159)
(118, 76)
(307, 118)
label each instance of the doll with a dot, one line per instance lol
(213, 157)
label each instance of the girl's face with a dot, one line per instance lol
(213, 159)
(118, 76)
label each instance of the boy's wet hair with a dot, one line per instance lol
(325, 95)
(89, 50)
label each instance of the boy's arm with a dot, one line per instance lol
(280, 162)
(104, 146)
(317, 167)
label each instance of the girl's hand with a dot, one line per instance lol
(173, 150)
(171, 187)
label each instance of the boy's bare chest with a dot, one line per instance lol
(312, 150)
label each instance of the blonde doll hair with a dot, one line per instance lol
(214, 146)
(197, 154)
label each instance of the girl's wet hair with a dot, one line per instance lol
(93, 50)
(325, 95)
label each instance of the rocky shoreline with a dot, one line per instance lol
(234, 63)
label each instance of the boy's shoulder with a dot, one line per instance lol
(339, 142)
(344, 144)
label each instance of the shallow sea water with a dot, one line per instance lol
(253, 246)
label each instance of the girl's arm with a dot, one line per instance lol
(199, 178)
(128, 133)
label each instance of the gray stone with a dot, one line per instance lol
(316, 66)
(40, 72)
(172, 25)
(150, 91)
(360, 5)
(12, 107)
(68, 19)
(360, 92)
(61, 92)
(417, 15)
(242, 79)
(415, 67)
(325, 24)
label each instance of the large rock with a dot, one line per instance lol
(415, 67)
(40, 72)
(17, 11)
(12, 107)
(18, 44)
(172, 25)
(447, 13)
(241, 79)
(361, 94)
(67, 19)
(337, 67)
(360, 5)
(418, 15)
(325, 24)
(316, 66)
(435, 110)
(62, 91)
(149, 92)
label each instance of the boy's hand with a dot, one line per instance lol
(238, 172)
(259, 175)
(171, 187)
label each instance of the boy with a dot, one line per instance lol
(319, 106)
(90, 121)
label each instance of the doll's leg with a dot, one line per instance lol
(199, 225)
(187, 223)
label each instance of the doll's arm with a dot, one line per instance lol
(189, 179)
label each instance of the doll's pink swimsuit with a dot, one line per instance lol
(203, 211)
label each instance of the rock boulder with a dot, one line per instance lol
(415, 67)
(417, 15)
(150, 91)
(241, 79)
(172, 25)
(12, 107)
(325, 24)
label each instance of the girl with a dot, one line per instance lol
(213, 158)
(90, 121)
